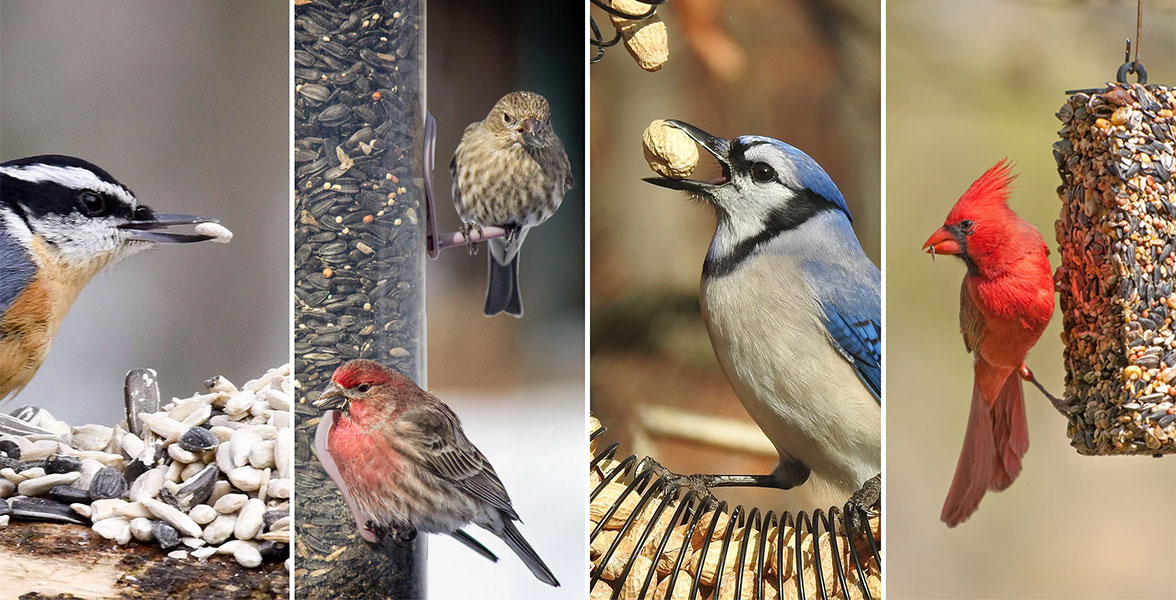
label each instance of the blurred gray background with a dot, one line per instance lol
(186, 103)
(517, 384)
(968, 84)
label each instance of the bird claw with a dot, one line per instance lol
(699, 484)
(863, 500)
(1058, 404)
(400, 533)
(466, 230)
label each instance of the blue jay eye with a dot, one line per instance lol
(92, 203)
(763, 172)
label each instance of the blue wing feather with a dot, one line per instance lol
(851, 303)
(16, 270)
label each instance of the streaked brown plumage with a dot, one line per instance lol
(510, 171)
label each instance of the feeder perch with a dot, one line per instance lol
(1116, 235)
(359, 256)
(648, 542)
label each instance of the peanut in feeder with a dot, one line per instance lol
(1116, 235)
(650, 541)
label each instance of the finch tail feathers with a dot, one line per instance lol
(510, 534)
(502, 293)
(474, 545)
(996, 440)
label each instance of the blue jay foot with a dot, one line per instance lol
(863, 501)
(702, 484)
(466, 230)
(698, 484)
(400, 533)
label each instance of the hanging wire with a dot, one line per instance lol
(597, 38)
(1130, 66)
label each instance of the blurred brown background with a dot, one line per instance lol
(968, 84)
(517, 384)
(805, 72)
(186, 104)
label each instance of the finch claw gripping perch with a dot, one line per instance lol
(466, 230)
(401, 534)
(436, 242)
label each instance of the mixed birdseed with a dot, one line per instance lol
(359, 137)
(1116, 236)
(204, 475)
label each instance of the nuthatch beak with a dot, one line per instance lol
(145, 229)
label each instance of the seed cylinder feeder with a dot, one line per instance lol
(358, 256)
(1116, 235)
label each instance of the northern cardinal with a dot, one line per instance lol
(1006, 302)
(403, 463)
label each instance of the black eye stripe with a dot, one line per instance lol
(36, 200)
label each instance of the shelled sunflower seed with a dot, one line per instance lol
(1116, 236)
(644, 538)
(200, 475)
(358, 243)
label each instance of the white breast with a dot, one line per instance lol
(766, 331)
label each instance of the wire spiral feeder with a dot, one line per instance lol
(653, 542)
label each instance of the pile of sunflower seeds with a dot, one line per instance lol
(358, 242)
(204, 475)
(1116, 236)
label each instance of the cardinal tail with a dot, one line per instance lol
(1010, 432)
(974, 469)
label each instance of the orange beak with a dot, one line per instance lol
(942, 242)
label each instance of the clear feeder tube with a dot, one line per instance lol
(359, 257)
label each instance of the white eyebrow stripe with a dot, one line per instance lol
(75, 178)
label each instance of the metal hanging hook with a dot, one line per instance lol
(1132, 65)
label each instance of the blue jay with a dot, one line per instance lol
(62, 220)
(792, 305)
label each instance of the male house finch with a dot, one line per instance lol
(1005, 304)
(407, 466)
(509, 171)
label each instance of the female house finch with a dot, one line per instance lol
(510, 171)
(1005, 304)
(408, 466)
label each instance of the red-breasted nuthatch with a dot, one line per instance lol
(62, 220)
